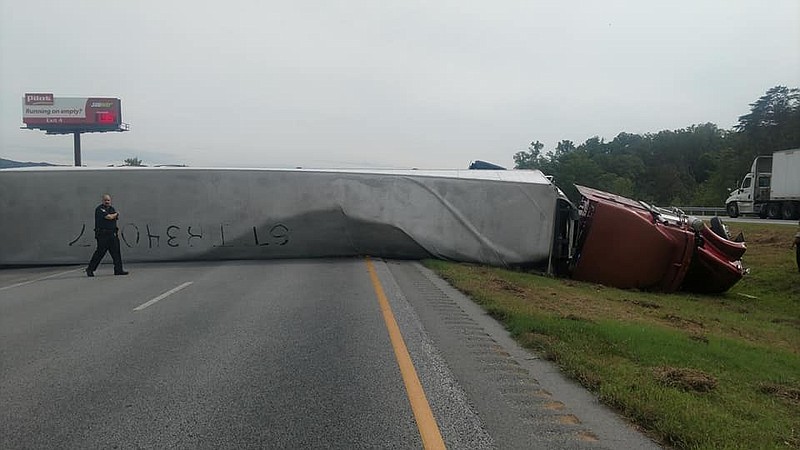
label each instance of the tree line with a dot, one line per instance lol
(690, 166)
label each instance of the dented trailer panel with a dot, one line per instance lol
(501, 218)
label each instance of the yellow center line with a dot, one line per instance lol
(426, 423)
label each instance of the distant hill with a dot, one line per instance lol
(9, 164)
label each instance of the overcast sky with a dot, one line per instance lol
(400, 84)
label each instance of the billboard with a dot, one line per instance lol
(45, 111)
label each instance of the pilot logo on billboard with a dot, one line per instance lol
(38, 99)
(49, 112)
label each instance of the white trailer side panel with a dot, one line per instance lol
(495, 217)
(786, 175)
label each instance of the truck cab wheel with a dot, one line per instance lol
(733, 209)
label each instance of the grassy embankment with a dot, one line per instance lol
(694, 371)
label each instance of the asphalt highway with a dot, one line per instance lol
(327, 353)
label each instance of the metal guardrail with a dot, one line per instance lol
(702, 210)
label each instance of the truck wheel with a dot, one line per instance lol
(774, 210)
(733, 209)
(789, 211)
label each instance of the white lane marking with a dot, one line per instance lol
(23, 283)
(162, 296)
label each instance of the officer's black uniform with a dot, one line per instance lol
(797, 247)
(105, 231)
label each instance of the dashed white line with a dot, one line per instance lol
(162, 296)
(23, 283)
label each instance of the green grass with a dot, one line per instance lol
(694, 371)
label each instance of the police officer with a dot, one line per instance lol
(796, 245)
(105, 231)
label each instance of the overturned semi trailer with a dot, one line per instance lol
(500, 218)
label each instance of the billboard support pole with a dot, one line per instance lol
(77, 141)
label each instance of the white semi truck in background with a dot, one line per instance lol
(771, 189)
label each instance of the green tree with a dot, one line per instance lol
(531, 159)
(772, 109)
(576, 167)
(133, 162)
(563, 148)
(773, 122)
(696, 165)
